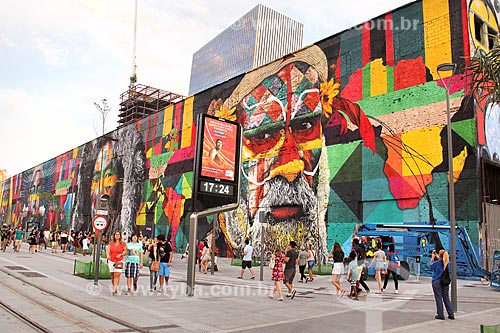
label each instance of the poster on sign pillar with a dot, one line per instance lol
(217, 163)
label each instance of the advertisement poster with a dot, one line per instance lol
(219, 149)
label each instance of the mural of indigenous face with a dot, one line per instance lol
(483, 24)
(105, 175)
(281, 109)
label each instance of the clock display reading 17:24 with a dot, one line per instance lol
(216, 188)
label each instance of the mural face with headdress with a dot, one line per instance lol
(105, 175)
(282, 108)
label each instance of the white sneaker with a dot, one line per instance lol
(396, 292)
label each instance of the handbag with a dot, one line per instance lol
(445, 278)
(155, 265)
(118, 265)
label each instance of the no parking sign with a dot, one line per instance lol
(99, 223)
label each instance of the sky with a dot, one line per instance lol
(59, 57)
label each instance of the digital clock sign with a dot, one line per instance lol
(216, 188)
(217, 163)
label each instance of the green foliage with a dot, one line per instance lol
(484, 73)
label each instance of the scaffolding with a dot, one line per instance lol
(140, 101)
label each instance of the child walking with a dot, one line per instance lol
(353, 276)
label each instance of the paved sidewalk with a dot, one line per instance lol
(223, 303)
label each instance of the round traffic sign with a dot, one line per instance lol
(99, 223)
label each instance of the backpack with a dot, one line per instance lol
(395, 262)
(445, 278)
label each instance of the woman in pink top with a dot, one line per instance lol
(115, 251)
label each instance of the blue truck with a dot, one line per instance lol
(495, 274)
(414, 243)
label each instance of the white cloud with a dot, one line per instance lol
(53, 55)
(86, 47)
(6, 41)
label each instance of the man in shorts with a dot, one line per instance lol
(247, 260)
(165, 253)
(291, 260)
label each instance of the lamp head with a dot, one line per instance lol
(446, 67)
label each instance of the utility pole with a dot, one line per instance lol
(103, 110)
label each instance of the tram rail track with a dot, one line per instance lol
(27, 320)
(61, 313)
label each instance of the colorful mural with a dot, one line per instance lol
(347, 131)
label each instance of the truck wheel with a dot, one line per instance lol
(404, 271)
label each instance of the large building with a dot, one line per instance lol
(347, 131)
(259, 37)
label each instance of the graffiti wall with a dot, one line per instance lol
(346, 131)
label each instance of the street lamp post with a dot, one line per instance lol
(447, 67)
(104, 110)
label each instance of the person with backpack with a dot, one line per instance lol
(391, 268)
(441, 284)
(361, 260)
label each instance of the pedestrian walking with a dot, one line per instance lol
(86, 244)
(32, 241)
(391, 268)
(71, 239)
(291, 260)
(77, 243)
(133, 263)
(18, 238)
(115, 252)
(41, 241)
(54, 240)
(302, 264)
(153, 264)
(205, 257)
(247, 260)
(441, 290)
(166, 255)
(361, 260)
(5, 234)
(310, 262)
(379, 262)
(46, 237)
(277, 274)
(353, 275)
(201, 245)
(338, 267)
(64, 240)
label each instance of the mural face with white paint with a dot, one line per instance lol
(492, 130)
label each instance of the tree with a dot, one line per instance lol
(484, 73)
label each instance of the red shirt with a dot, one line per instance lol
(114, 250)
(200, 249)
